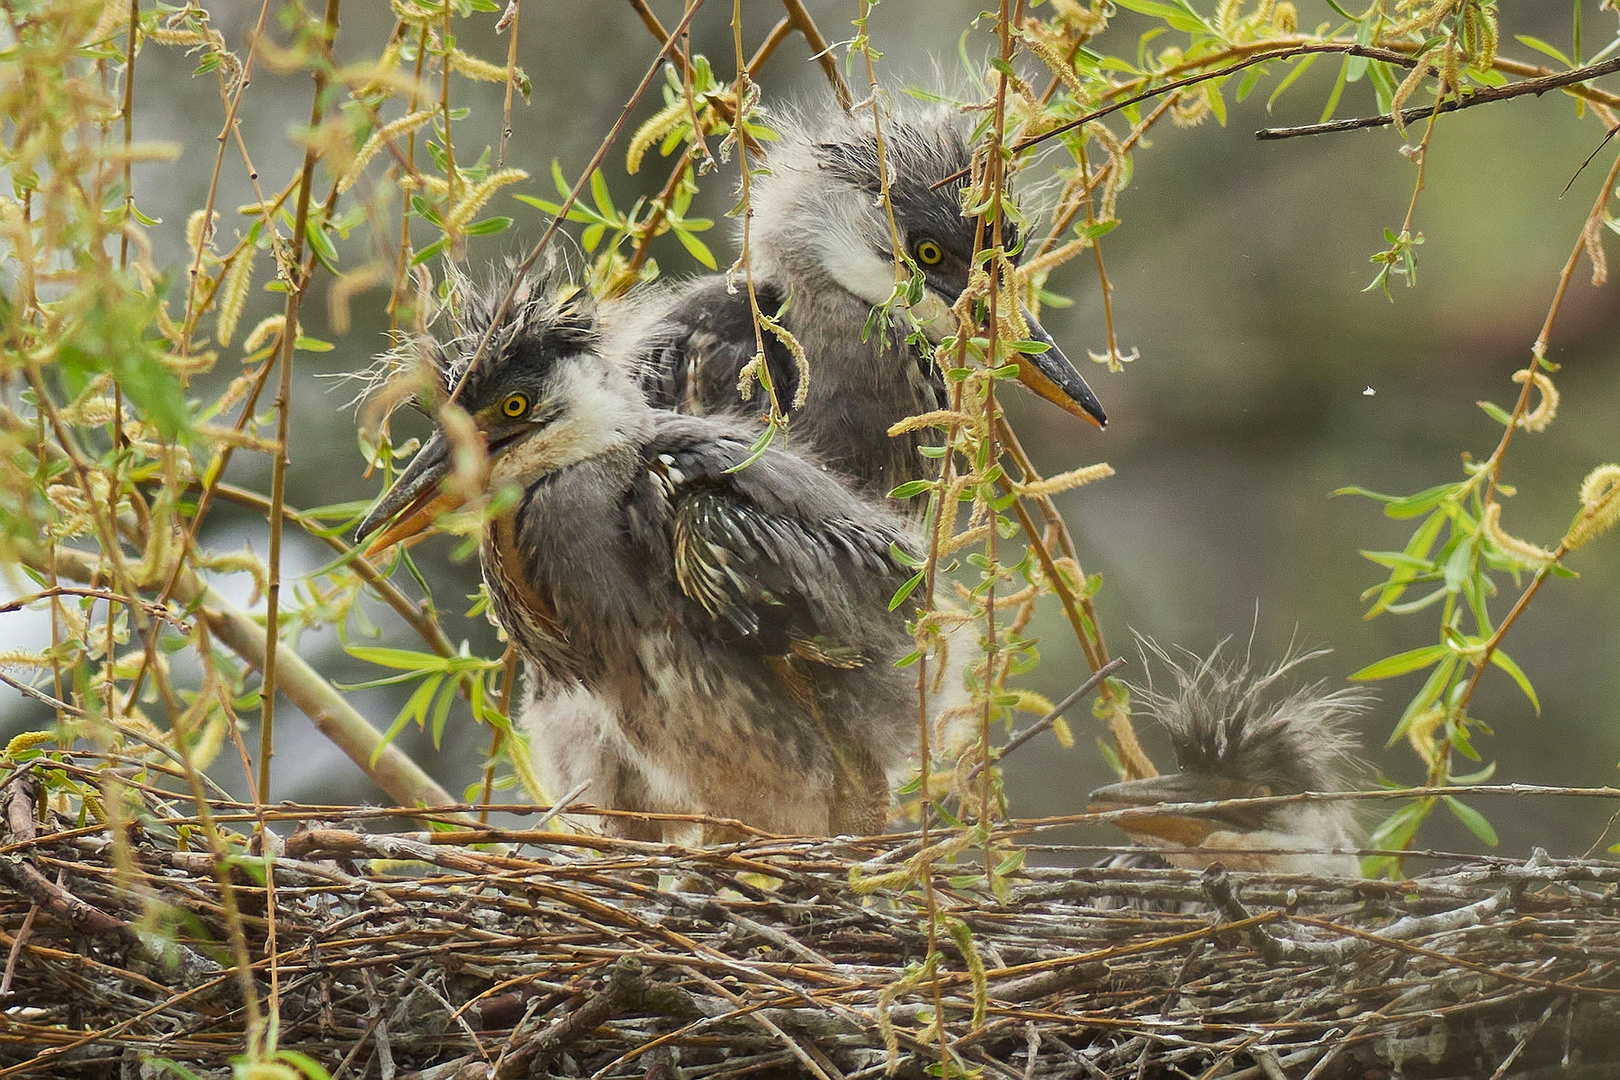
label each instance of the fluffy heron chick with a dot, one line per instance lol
(1236, 734)
(702, 636)
(822, 252)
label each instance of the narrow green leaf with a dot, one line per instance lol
(1409, 506)
(1338, 91)
(441, 710)
(1544, 48)
(906, 590)
(1432, 688)
(428, 252)
(1473, 819)
(489, 226)
(1503, 661)
(1401, 663)
(696, 248)
(1288, 80)
(599, 194)
(1496, 412)
(320, 243)
(911, 488)
(1396, 560)
(1477, 777)
(397, 658)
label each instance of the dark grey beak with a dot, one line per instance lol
(1051, 376)
(415, 499)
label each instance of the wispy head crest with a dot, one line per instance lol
(1226, 718)
(546, 310)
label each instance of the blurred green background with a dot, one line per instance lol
(1238, 273)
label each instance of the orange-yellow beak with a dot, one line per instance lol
(414, 502)
(1051, 376)
(1187, 829)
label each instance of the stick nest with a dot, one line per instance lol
(417, 954)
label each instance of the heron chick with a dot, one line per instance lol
(822, 254)
(703, 633)
(1236, 736)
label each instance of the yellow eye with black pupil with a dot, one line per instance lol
(929, 253)
(515, 405)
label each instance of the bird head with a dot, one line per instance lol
(542, 395)
(1237, 735)
(820, 209)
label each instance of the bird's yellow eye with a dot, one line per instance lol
(929, 253)
(515, 405)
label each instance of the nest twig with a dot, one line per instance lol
(578, 956)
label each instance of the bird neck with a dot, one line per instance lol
(810, 232)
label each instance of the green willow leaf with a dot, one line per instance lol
(1401, 663)
(1473, 819)
(1503, 661)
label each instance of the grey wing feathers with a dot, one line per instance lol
(777, 554)
(701, 347)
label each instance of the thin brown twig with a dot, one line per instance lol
(820, 51)
(508, 23)
(573, 197)
(426, 627)
(1482, 96)
(1303, 49)
(1493, 465)
(98, 594)
(283, 406)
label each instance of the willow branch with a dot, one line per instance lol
(392, 771)
(1483, 96)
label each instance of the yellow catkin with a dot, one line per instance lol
(472, 67)
(1052, 55)
(1421, 733)
(1600, 506)
(655, 128)
(1066, 480)
(1522, 550)
(462, 214)
(398, 129)
(233, 294)
(198, 238)
(939, 418)
(268, 328)
(167, 36)
(1546, 409)
(27, 741)
(964, 539)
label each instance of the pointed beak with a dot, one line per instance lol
(1051, 376)
(414, 501)
(1174, 826)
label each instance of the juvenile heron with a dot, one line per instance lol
(700, 636)
(1236, 737)
(822, 255)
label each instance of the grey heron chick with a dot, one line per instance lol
(700, 637)
(822, 254)
(1238, 734)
